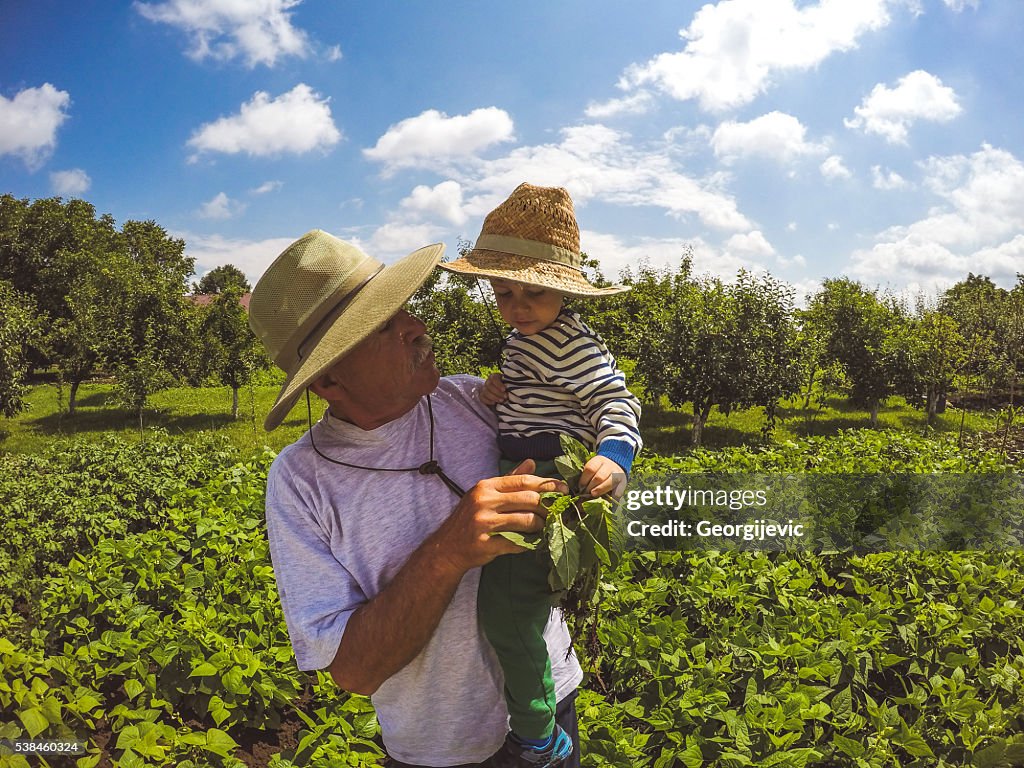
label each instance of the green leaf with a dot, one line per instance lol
(574, 450)
(34, 721)
(529, 540)
(912, 742)
(234, 682)
(204, 670)
(133, 687)
(842, 703)
(848, 747)
(218, 742)
(564, 548)
(692, 756)
(218, 711)
(990, 757)
(568, 470)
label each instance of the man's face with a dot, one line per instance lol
(392, 368)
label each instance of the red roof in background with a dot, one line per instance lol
(205, 299)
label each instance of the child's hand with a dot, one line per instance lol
(493, 390)
(600, 476)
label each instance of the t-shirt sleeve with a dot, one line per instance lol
(612, 410)
(316, 610)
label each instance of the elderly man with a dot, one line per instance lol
(376, 546)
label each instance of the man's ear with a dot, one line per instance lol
(327, 385)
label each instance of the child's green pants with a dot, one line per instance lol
(514, 603)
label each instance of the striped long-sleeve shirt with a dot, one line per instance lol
(564, 379)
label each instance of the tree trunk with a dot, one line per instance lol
(810, 387)
(932, 393)
(700, 416)
(234, 402)
(73, 398)
(874, 414)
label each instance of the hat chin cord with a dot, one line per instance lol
(429, 467)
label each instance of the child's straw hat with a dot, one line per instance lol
(532, 238)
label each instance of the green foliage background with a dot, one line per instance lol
(138, 613)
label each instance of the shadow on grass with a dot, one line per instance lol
(95, 400)
(118, 419)
(668, 431)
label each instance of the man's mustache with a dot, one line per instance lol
(423, 346)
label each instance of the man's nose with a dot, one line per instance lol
(410, 322)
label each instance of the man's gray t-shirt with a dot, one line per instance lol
(339, 535)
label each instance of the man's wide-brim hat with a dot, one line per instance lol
(320, 298)
(532, 238)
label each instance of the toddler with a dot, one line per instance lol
(557, 376)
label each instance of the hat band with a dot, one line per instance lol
(313, 338)
(532, 249)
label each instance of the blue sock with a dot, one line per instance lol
(538, 744)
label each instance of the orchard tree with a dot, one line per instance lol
(976, 305)
(150, 345)
(853, 323)
(48, 248)
(230, 350)
(219, 279)
(687, 349)
(768, 357)
(925, 355)
(18, 327)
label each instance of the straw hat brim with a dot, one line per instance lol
(382, 296)
(523, 269)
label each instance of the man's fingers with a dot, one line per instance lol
(520, 479)
(519, 521)
(526, 467)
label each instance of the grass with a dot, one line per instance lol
(179, 411)
(667, 430)
(188, 411)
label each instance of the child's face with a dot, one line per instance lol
(527, 308)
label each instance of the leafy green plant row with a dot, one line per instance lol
(163, 643)
(751, 659)
(61, 503)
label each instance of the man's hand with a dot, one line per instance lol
(493, 390)
(600, 476)
(509, 503)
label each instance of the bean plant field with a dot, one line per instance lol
(139, 616)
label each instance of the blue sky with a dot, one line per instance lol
(879, 139)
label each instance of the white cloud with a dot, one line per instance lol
(334, 53)
(296, 122)
(443, 200)
(265, 187)
(979, 227)
(614, 255)
(635, 104)
(432, 138)
(889, 112)
(251, 256)
(793, 261)
(396, 239)
(70, 183)
(220, 207)
(29, 123)
(752, 244)
(959, 5)
(774, 135)
(260, 31)
(597, 162)
(833, 168)
(736, 49)
(885, 179)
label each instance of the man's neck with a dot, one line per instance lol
(368, 420)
